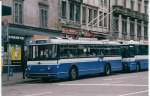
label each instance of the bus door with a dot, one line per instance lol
(128, 56)
(128, 51)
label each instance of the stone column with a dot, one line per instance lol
(136, 5)
(120, 27)
(68, 10)
(128, 28)
(87, 17)
(81, 13)
(142, 30)
(142, 7)
(75, 11)
(135, 26)
(98, 18)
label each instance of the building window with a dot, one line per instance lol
(43, 16)
(116, 24)
(139, 30)
(124, 3)
(83, 15)
(105, 20)
(72, 11)
(132, 28)
(90, 15)
(105, 3)
(102, 3)
(100, 18)
(95, 17)
(18, 11)
(63, 9)
(124, 26)
(145, 32)
(146, 7)
(139, 5)
(132, 4)
(78, 12)
(116, 2)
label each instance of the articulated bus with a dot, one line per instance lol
(134, 56)
(70, 59)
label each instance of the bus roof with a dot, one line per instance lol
(72, 41)
(133, 42)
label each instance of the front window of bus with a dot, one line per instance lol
(43, 52)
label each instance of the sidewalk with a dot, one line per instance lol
(15, 79)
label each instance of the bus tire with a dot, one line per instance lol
(73, 73)
(45, 79)
(138, 68)
(126, 68)
(107, 70)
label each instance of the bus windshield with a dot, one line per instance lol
(42, 52)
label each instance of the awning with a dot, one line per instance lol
(23, 30)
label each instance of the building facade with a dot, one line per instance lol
(130, 19)
(84, 18)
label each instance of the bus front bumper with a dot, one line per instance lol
(33, 75)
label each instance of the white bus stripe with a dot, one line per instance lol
(141, 57)
(73, 60)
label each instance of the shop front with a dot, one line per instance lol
(100, 35)
(70, 32)
(88, 34)
(15, 49)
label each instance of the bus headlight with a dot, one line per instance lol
(49, 68)
(29, 67)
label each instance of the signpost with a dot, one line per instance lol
(6, 26)
(6, 11)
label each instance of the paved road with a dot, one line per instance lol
(132, 84)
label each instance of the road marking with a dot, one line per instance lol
(128, 76)
(39, 94)
(115, 82)
(105, 84)
(134, 93)
(120, 78)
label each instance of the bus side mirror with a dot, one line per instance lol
(57, 57)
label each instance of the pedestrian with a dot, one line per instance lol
(24, 65)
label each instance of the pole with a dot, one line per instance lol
(109, 23)
(8, 51)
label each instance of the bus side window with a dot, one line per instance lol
(131, 51)
(124, 52)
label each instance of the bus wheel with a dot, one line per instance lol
(107, 70)
(126, 68)
(73, 74)
(45, 79)
(138, 67)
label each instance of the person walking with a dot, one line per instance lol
(24, 66)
